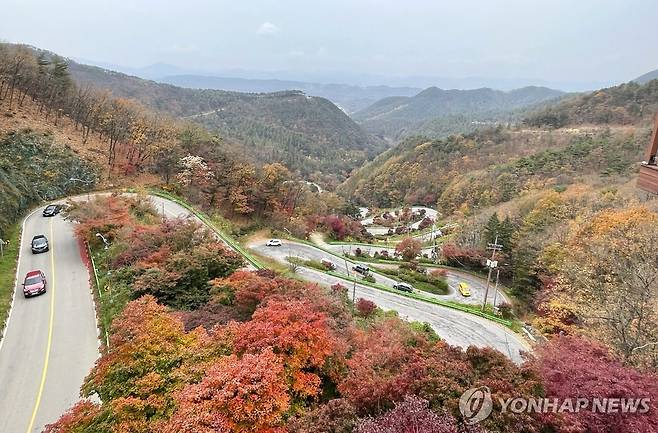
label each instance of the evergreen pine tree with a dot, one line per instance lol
(491, 229)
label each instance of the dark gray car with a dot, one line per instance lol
(39, 244)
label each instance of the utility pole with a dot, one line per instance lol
(2, 248)
(496, 287)
(491, 264)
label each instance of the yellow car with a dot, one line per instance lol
(464, 290)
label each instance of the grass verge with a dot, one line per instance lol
(8, 264)
(104, 320)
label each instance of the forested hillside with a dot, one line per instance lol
(492, 166)
(437, 112)
(305, 133)
(609, 130)
(35, 168)
(625, 104)
(562, 202)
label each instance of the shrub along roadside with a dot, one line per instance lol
(171, 260)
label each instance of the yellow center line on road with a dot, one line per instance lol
(50, 332)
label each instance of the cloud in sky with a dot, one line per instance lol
(267, 28)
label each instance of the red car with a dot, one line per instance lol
(34, 284)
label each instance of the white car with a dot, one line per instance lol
(273, 243)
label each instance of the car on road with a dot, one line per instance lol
(39, 244)
(34, 283)
(328, 264)
(403, 287)
(361, 269)
(464, 289)
(52, 210)
(274, 243)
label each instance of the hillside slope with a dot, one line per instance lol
(492, 166)
(625, 104)
(428, 111)
(305, 133)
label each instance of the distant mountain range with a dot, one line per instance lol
(643, 79)
(438, 112)
(348, 97)
(490, 166)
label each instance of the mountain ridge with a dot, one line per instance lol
(398, 117)
(645, 78)
(306, 133)
(348, 97)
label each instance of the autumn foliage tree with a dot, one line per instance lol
(606, 275)
(414, 415)
(150, 357)
(173, 260)
(246, 394)
(409, 248)
(365, 308)
(572, 367)
(302, 335)
(391, 360)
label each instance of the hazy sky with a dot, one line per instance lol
(554, 40)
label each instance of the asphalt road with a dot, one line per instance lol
(456, 327)
(477, 285)
(51, 340)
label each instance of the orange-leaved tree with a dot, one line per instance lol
(247, 394)
(302, 335)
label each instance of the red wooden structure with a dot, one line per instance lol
(648, 179)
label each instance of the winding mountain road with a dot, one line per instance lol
(454, 277)
(456, 327)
